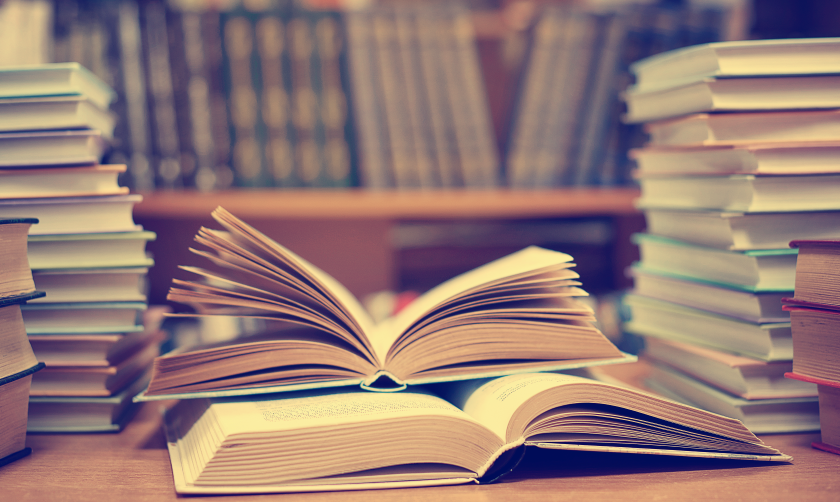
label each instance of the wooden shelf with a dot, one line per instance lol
(391, 205)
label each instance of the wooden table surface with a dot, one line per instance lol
(134, 466)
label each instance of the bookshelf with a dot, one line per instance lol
(348, 233)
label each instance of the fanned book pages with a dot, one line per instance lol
(476, 432)
(516, 314)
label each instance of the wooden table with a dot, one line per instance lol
(134, 466)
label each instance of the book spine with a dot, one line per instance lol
(180, 72)
(197, 106)
(331, 48)
(211, 37)
(139, 167)
(373, 158)
(393, 104)
(524, 150)
(161, 106)
(243, 87)
(416, 121)
(442, 143)
(309, 165)
(272, 49)
(485, 173)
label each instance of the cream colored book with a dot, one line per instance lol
(343, 440)
(517, 314)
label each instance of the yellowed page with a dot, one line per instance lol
(529, 259)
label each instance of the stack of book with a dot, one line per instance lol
(17, 362)
(743, 157)
(815, 323)
(450, 390)
(86, 253)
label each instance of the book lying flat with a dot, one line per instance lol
(344, 440)
(728, 95)
(99, 249)
(64, 181)
(717, 298)
(817, 282)
(75, 215)
(742, 193)
(95, 350)
(82, 413)
(761, 416)
(51, 148)
(86, 318)
(745, 128)
(15, 350)
(14, 395)
(91, 284)
(54, 113)
(768, 158)
(816, 343)
(16, 278)
(742, 58)
(662, 319)
(753, 270)
(94, 381)
(738, 375)
(54, 79)
(515, 314)
(742, 231)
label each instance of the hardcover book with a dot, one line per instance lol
(476, 434)
(513, 315)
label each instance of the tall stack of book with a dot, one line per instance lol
(17, 362)
(86, 253)
(815, 323)
(743, 157)
(450, 390)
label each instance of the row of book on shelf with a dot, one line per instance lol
(74, 271)
(743, 162)
(392, 96)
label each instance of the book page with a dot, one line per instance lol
(312, 410)
(495, 402)
(529, 259)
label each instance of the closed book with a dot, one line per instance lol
(16, 350)
(718, 298)
(94, 317)
(756, 270)
(746, 128)
(54, 79)
(61, 181)
(766, 158)
(743, 58)
(660, 319)
(88, 250)
(50, 414)
(91, 381)
(739, 231)
(16, 277)
(75, 215)
(741, 376)
(817, 281)
(742, 193)
(816, 346)
(14, 395)
(51, 148)
(761, 416)
(94, 284)
(52, 113)
(734, 94)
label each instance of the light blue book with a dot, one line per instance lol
(83, 318)
(89, 250)
(55, 79)
(755, 270)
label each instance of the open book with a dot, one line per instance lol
(342, 440)
(516, 314)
